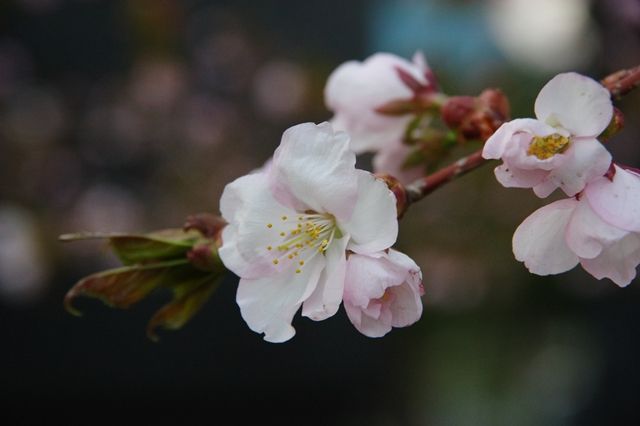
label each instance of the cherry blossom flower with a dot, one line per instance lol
(355, 90)
(382, 291)
(560, 148)
(600, 230)
(289, 228)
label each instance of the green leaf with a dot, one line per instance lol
(188, 298)
(122, 287)
(136, 248)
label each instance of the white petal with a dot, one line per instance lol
(617, 262)
(587, 235)
(585, 160)
(354, 90)
(512, 177)
(248, 206)
(327, 296)
(575, 102)
(539, 241)
(498, 143)
(268, 304)
(374, 224)
(314, 166)
(617, 202)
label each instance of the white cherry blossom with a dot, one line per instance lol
(560, 148)
(356, 89)
(290, 226)
(600, 230)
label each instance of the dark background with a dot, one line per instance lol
(129, 115)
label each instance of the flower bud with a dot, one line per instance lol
(476, 118)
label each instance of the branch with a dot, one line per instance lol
(622, 82)
(426, 185)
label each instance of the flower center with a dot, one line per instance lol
(545, 147)
(301, 237)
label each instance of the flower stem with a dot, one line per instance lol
(422, 187)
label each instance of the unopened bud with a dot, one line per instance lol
(457, 109)
(398, 189)
(204, 256)
(476, 118)
(207, 224)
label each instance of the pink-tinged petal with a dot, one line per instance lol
(587, 234)
(368, 277)
(539, 241)
(617, 262)
(501, 140)
(354, 90)
(268, 304)
(407, 303)
(327, 296)
(617, 202)
(391, 159)
(373, 225)
(248, 206)
(575, 102)
(370, 327)
(406, 307)
(585, 160)
(511, 177)
(314, 167)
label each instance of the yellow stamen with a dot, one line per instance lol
(275, 261)
(544, 147)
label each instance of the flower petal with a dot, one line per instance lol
(373, 327)
(268, 304)
(498, 143)
(325, 300)
(373, 225)
(617, 262)
(314, 167)
(585, 160)
(248, 206)
(539, 241)
(354, 90)
(617, 202)
(368, 277)
(587, 234)
(575, 102)
(511, 177)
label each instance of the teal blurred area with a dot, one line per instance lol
(130, 115)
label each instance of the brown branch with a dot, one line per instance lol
(622, 82)
(426, 185)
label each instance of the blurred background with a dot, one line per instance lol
(129, 115)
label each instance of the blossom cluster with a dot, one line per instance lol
(310, 231)
(599, 225)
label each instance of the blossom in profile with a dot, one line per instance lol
(374, 100)
(600, 229)
(560, 148)
(382, 291)
(291, 226)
